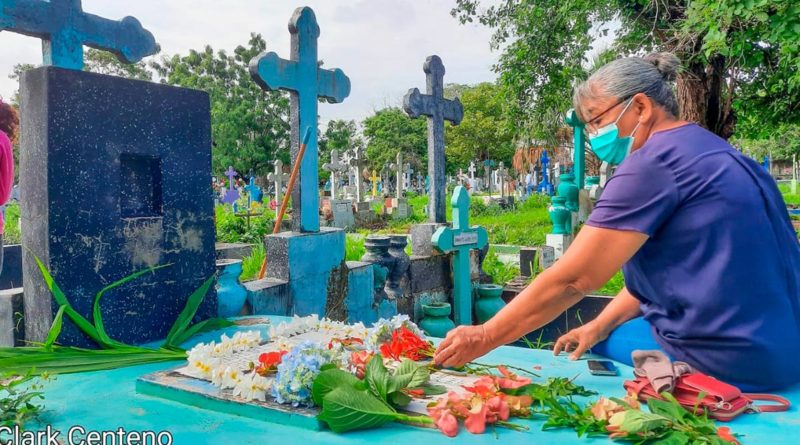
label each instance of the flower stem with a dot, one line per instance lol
(424, 420)
(512, 426)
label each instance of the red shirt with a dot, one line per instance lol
(6, 172)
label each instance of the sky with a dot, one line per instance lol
(380, 44)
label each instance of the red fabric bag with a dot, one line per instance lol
(720, 400)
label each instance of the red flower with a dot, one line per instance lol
(725, 434)
(405, 343)
(476, 420)
(268, 362)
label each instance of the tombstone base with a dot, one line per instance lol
(421, 236)
(12, 327)
(311, 264)
(343, 217)
(559, 243)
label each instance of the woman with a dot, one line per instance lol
(701, 232)
(9, 124)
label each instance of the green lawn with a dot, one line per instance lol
(791, 199)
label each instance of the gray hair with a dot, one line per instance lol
(652, 75)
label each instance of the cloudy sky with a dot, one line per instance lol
(380, 44)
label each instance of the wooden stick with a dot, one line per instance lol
(285, 201)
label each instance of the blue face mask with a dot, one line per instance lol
(608, 145)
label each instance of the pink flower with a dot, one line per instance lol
(448, 423)
(511, 381)
(498, 409)
(476, 420)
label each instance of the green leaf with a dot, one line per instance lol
(55, 328)
(670, 410)
(347, 409)
(377, 377)
(433, 390)
(96, 313)
(328, 380)
(675, 438)
(636, 422)
(212, 324)
(187, 314)
(409, 374)
(399, 398)
(61, 299)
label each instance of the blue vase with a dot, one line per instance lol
(436, 320)
(231, 295)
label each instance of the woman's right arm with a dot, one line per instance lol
(622, 308)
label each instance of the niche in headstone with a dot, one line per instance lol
(116, 181)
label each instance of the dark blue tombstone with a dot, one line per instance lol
(115, 180)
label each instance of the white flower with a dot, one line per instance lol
(231, 378)
(252, 387)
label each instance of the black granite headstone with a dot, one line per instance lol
(115, 178)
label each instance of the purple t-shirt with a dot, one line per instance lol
(719, 276)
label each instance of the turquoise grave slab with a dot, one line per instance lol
(107, 400)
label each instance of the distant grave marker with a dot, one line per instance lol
(437, 109)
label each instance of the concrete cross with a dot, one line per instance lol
(408, 175)
(420, 185)
(334, 167)
(544, 186)
(471, 169)
(399, 169)
(253, 191)
(64, 28)
(502, 174)
(374, 179)
(306, 82)
(438, 110)
(278, 177)
(578, 147)
(460, 240)
(232, 195)
(357, 163)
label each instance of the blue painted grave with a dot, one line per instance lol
(306, 82)
(64, 29)
(232, 194)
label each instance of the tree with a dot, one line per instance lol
(781, 145)
(250, 126)
(390, 131)
(104, 62)
(484, 133)
(733, 51)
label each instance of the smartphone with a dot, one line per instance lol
(602, 367)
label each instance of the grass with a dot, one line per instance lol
(788, 197)
(11, 233)
(251, 265)
(525, 225)
(614, 285)
(500, 272)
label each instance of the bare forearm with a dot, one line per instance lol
(540, 303)
(621, 309)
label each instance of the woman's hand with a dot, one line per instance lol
(462, 345)
(579, 340)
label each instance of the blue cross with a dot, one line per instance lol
(306, 82)
(64, 28)
(460, 240)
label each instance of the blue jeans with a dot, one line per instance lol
(629, 336)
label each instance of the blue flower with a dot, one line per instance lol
(296, 373)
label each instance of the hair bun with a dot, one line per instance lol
(666, 63)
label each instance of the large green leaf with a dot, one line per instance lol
(96, 313)
(347, 409)
(640, 422)
(61, 299)
(408, 374)
(377, 377)
(55, 328)
(187, 314)
(328, 381)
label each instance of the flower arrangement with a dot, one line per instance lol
(297, 371)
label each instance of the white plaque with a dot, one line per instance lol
(466, 238)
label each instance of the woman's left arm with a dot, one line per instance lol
(592, 259)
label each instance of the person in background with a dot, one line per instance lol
(9, 126)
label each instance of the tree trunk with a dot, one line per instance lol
(702, 97)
